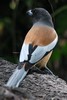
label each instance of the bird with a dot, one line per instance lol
(37, 47)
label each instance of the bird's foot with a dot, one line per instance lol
(48, 71)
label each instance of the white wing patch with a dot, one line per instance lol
(38, 53)
(24, 53)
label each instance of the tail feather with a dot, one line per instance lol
(16, 77)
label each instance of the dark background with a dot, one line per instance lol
(14, 25)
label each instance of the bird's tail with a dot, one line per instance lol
(18, 75)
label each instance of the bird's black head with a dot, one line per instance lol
(40, 15)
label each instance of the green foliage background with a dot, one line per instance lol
(14, 26)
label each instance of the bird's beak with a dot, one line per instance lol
(16, 77)
(29, 12)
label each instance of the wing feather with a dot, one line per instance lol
(38, 53)
(41, 51)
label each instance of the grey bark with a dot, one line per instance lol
(33, 87)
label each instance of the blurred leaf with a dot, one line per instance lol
(61, 19)
(64, 49)
(56, 55)
(60, 10)
(29, 3)
(13, 4)
(61, 27)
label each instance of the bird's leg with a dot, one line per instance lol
(34, 69)
(43, 70)
(47, 70)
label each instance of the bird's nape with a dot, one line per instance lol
(40, 15)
